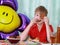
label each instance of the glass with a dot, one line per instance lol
(13, 40)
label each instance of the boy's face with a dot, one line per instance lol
(39, 16)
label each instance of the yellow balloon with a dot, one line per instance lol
(9, 19)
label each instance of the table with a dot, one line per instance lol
(6, 42)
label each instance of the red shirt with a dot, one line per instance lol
(42, 35)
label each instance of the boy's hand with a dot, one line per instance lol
(33, 20)
(35, 40)
(46, 20)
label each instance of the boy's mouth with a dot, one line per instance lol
(38, 20)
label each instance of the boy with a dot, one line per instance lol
(39, 27)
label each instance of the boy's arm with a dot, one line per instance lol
(48, 33)
(24, 34)
(48, 30)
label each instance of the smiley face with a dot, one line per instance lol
(9, 20)
(6, 22)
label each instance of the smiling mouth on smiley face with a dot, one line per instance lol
(8, 22)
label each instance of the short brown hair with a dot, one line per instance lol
(42, 9)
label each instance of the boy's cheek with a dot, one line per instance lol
(42, 16)
(36, 17)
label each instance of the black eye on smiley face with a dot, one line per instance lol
(5, 13)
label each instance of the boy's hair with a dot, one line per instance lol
(42, 9)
